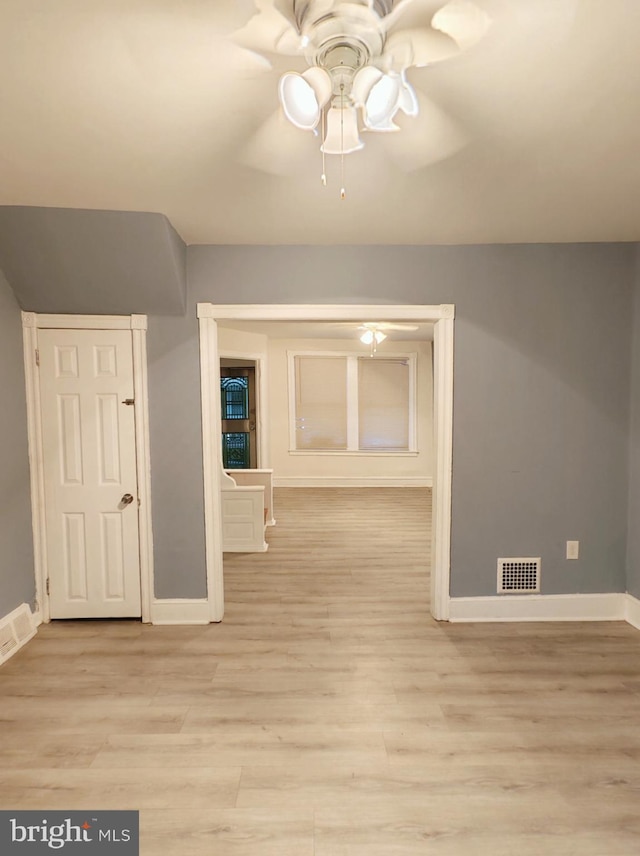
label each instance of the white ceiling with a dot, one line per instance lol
(141, 105)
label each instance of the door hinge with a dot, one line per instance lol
(129, 401)
(48, 592)
(37, 357)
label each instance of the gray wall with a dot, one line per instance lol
(17, 583)
(92, 262)
(542, 375)
(543, 372)
(176, 456)
(633, 549)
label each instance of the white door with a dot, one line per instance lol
(91, 505)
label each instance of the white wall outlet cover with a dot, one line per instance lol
(573, 549)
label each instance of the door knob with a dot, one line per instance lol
(127, 499)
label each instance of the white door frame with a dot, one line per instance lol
(441, 316)
(31, 323)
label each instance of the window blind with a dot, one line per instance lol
(383, 404)
(321, 402)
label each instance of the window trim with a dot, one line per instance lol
(352, 404)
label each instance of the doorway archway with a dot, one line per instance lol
(442, 317)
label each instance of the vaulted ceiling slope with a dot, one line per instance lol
(531, 135)
(93, 262)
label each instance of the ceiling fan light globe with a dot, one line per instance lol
(299, 101)
(342, 139)
(382, 102)
(369, 336)
(363, 83)
(320, 80)
(384, 127)
(408, 100)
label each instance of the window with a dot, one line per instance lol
(383, 404)
(350, 403)
(321, 402)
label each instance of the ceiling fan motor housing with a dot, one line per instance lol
(344, 38)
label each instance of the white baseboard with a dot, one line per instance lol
(632, 610)
(16, 629)
(241, 548)
(352, 481)
(180, 611)
(614, 606)
(543, 607)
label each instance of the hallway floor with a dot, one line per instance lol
(329, 715)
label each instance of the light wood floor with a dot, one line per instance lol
(329, 715)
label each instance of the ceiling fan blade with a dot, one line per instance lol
(426, 139)
(279, 148)
(269, 31)
(408, 328)
(409, 14)
(388, 325)
(287, 9)
(418, 47)
(243, 59)
(462, 20)
(378, 325)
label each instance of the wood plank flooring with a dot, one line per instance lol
(329, 715)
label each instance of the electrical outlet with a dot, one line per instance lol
(573, 549)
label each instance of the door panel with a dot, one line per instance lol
(70, 439)
(89, 465)
(74, 558)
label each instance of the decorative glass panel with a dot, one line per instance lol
(235, 451)
(235, 397)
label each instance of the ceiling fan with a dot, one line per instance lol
(388, 325)
(377, 325)
(372, 333)
(350, 69)
(353, 57)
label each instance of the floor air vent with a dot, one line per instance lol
(518, 576)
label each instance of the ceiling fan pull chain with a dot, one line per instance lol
(323, 177)
(343, 192)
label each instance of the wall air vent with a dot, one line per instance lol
(15, 630)
(23, 626)
(8, 642)
(518, 576)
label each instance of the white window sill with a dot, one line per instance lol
(383, 453)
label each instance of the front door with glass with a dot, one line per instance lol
(238, 413)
